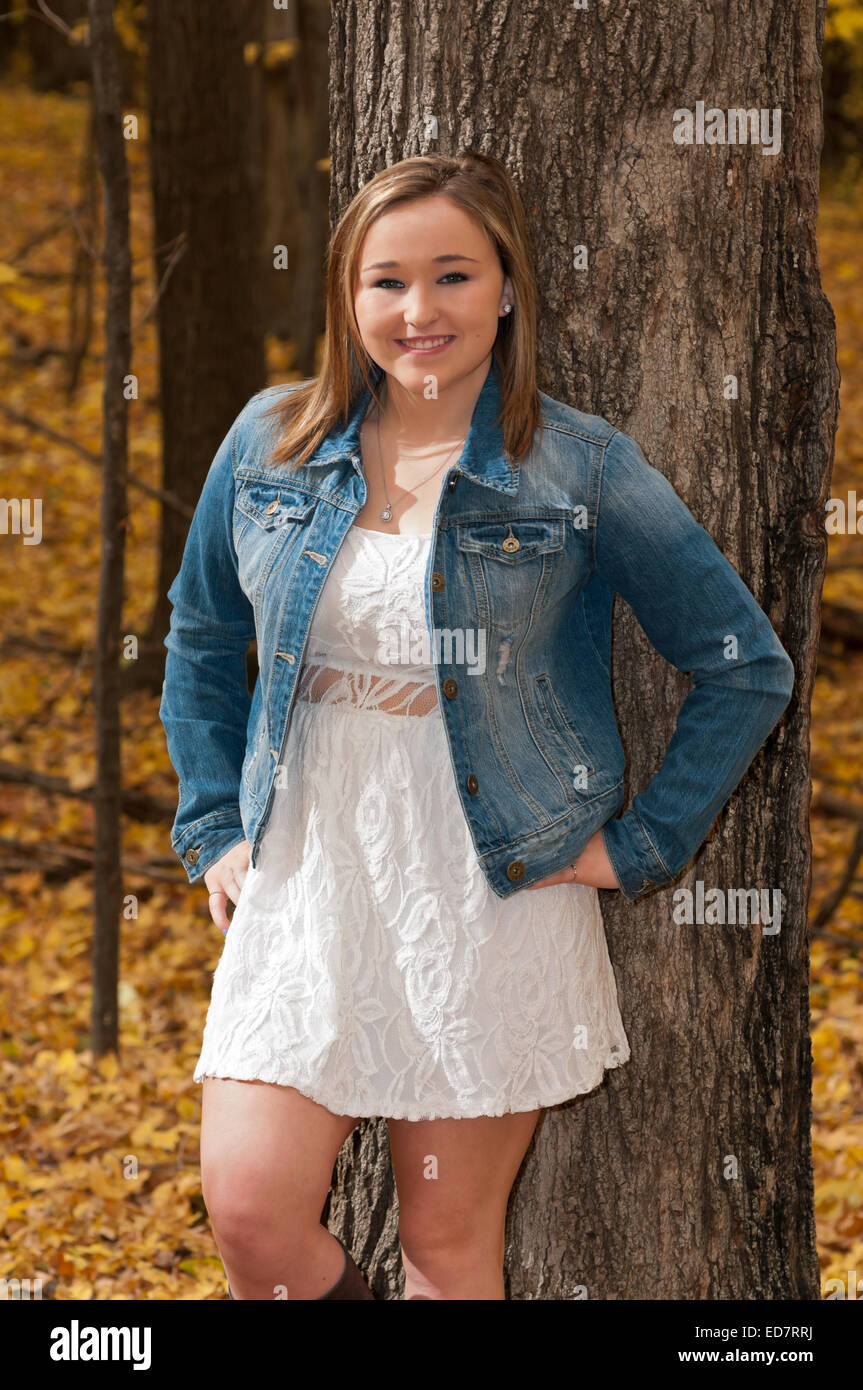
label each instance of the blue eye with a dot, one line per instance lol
(381, 284)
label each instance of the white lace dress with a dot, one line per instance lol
(368, 963)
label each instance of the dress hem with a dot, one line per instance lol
(416, 1112)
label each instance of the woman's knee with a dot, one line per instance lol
(429, 1238)
(267, 1156)
(244, 1209)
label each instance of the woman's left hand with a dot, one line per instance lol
(593, 868)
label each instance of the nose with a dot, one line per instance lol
(419, 310)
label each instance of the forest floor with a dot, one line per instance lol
(100, 1188)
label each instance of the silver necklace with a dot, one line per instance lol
(387, 513)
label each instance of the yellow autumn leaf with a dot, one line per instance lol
(140, 1135)
(67, 1061)
(14, 1168)
(60, 984)
(280, 52)
(19, 947)
(165, 1139)
(165, 1195)
(103, 1185)
(204, 1264)
(78, 1291)
(108, 1065)
(847, 24)
(29, 303)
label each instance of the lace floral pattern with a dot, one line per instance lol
(368, 963)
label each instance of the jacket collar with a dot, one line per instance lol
(483, 458)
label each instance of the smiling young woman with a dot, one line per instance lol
(374, 820)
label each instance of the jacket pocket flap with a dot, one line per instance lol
(523, 538)
(271, 505)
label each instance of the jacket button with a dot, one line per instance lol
(272, 508)
(192, 856)
(450, 688)
(437, 581)
(515, 870)
(472, 783)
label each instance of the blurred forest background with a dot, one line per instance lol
(262, 133)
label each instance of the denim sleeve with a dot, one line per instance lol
(699, 614)
(205, 699)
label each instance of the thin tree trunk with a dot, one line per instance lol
(107, 880)
(687, 1174)
(207, 205)
(83, 269)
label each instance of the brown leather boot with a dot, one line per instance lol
(350, 1283)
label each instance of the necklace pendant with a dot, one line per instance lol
(387, 513)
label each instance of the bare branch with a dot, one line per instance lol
(179, 247)
(168, 499)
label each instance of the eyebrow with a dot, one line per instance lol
(392, 265)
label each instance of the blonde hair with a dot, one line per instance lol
(481, 186)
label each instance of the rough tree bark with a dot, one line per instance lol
(116, 258)
(207, 206)
(687, 1174)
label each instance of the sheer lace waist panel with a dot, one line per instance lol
(366, 690)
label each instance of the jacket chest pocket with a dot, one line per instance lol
(269, 519)
(508, 567)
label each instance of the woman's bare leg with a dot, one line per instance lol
(453, 1179)
(267, 1157)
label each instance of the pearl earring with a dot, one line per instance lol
(507, 308)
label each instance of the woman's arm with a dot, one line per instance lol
(699, 614)
(205, 699)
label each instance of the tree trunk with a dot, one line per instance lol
(207, 204)
(116, 258)
(81, 282)
(687, 1174)
(297, 182)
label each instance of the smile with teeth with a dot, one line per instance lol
(420, 343)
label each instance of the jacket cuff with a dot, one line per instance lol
(201, 844)
(637, 867)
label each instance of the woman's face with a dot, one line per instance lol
(427, 272)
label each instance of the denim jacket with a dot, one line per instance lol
(522, 567)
